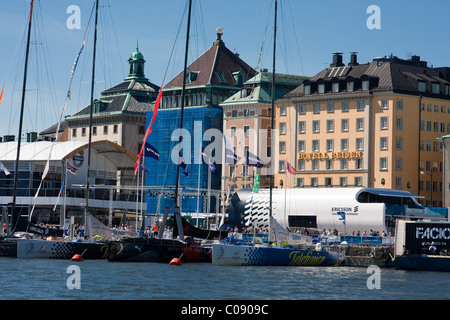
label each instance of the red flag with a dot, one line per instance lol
(290, 168)
(1, 94)
(149, 129)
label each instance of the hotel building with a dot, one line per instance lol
(370, 125)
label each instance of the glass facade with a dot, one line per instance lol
(162, 173)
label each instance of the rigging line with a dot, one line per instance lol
(264, 39)
(296, 38)
(115, 36)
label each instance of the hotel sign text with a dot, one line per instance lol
(331, 155)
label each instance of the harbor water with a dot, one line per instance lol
(37, 279)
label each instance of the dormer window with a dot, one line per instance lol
(335, 86)
(350, 86)
(435, 88)
(365, 84)
(321, 88)
(421, 86)
(308, 89)
(238, 78)
(191, 76)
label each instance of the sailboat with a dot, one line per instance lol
(273, 254)
(183, 245)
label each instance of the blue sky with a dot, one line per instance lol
(308, 33)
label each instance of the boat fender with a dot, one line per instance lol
(175, 262)
(77, 257)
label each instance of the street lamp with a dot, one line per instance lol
(431, 184)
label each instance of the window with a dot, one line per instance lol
(302, 109)
(383, 123)
(343, 181)
(359, 144)
(436, 108)
(221, 77)
(384, 104)
(300, 182)
(330, 145)
(350, 86)
(365, 85)
(316, 126)
(105, 129)
(301, 164)
(315, 164)
(330, 107)
(383, 143)
(436, 126)
(328, 182)
(360, 124)
(301, 126)
(360, 105)
(115, 128)
(94, 131)
(398, 164)
(307, 89)
(335, 86)
(344, 106)
(398, 143)
(232, 171)
(344, 144)
(435, 146)
(233, 132)
(83, 132)
(314, 182)
(344, 164)
(329, 164)
(344, 124)
(421, 86)
(421, 145)
(282, 128)
(358, 163)
(435, 88)
(316, 108)
(399, 104)
(234, 113)
(301, 145)
(399, 123)
(321, 88)
(315, 145)
(281, 166)
(383, 163)
(358, 181)
(330, 125)
(398, 182)
(282, 146)
(428, 125)
(74, 132)
(282, 110)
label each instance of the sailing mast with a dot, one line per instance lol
(90, 116)
(272, 115)
(19, 139)
(177, 204)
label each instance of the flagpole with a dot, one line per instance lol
(285, 194)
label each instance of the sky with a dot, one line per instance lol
(308, 32)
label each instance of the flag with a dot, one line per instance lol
(71, 169)
(72, 72)
(211, 163)
(230, 156)
(289, 167)
(341, 215)
(1, 94)
(183, 165)
(6, 171)
(150, 151)
(142, 167)
(256, 183)
(253, 160)
(149, 129)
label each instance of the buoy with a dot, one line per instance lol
(77, 257)
(175, 262)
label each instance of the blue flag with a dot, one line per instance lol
(230, 156)
(341, 215)
(150, 151)
(253, 160)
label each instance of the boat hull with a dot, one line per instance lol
(248, 255)
(54, 249)
(157, 250)
(8, 248)
(423, 262)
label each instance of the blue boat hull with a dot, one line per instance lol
(423, 262)
(248, 255)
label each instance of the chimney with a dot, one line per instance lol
(337, 60)
(353, 59)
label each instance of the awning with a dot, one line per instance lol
(391, 193)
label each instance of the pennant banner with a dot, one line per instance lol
(290, 168)
(253, 160)
(150, 151)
